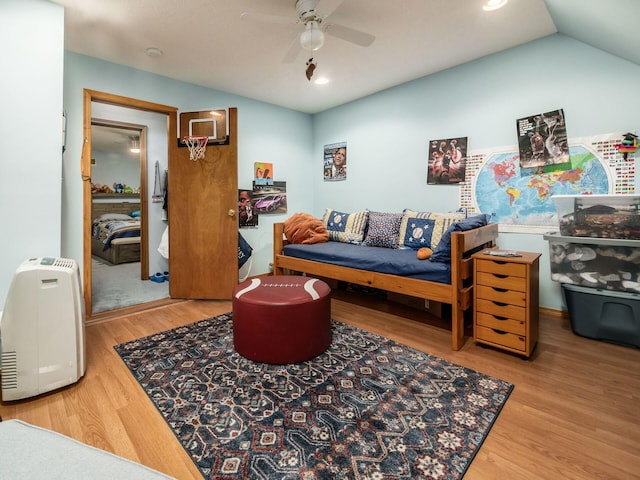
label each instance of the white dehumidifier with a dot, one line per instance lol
(42, 328)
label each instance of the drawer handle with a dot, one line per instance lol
(500, 276)
(501, 290)
(499, 332)
(502, 319)
(500, 304)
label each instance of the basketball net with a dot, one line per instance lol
(197, 146)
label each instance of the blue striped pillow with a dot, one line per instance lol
(345, 227)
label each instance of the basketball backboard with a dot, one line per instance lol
(212, 124)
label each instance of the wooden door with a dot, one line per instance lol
(203, 233)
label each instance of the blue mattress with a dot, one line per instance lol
(402, 262)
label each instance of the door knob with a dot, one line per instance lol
(231, 212)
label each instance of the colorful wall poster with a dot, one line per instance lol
(521, 200)
(270, 198)
(542, 139)
(447, 160)
(335, 162)
(247, 215)
(263, 173)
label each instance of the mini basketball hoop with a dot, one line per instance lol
(197, 146)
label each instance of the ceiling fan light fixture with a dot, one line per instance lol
(134, 144)
(312, 38)
(490, 5)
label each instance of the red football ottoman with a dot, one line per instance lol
(281, 319)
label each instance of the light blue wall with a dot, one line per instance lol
(387, 133)
(31, 49)
(113, 167)
(266, 133)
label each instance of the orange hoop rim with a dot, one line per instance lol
(200, 139)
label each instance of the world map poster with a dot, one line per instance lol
(520, 199)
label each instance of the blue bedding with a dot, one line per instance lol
(402, 262)
(108, 230)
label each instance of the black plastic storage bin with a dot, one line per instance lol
(604, 314)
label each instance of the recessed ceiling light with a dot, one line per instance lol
(154, 52)
(490, 5)
(321, 81)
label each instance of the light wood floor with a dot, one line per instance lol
(574, 412)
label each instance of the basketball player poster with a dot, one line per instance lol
(542, 139)
(247, 214)
(447, 161)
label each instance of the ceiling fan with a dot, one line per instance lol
(315, 25)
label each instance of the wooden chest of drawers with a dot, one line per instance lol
(506, 301)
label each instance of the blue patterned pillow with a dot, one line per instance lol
(442, 221)
(345, 227)
(416, 232)
(384, 230)
(405, 231)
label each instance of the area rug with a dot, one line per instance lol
(367, 408)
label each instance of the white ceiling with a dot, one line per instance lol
(206, 43)
(114, 140)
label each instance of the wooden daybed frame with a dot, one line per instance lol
(459, 294)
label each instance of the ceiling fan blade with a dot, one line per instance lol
(293, 51)
(266, 18)
(327, 7)
(350, 34)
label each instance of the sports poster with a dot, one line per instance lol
(542, 139)
(447, 161)
(247, 215)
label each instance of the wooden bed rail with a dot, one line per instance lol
(459, 294)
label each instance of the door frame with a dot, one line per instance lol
(143, 182)
(85, 169)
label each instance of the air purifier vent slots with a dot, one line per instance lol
(9, 370)
(64, 263)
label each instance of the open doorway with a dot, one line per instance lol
(127, 119)
(119, 265)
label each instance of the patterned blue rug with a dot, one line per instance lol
(367, 408)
